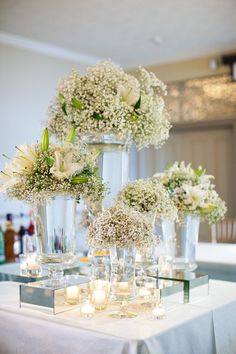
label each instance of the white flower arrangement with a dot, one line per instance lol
(109, 101)
(148, 196)
(40, 171)
(193, 192)
(121, 227)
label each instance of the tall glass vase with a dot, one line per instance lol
(55, 231)
(113, 162)
(122, 279)
(180, 241)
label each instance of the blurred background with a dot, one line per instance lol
(189, 44)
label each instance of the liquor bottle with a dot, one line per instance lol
(9, 238)
(21, 234)
(2, 247)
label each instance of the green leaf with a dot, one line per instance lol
(168, 166)
(62, 101)
(138, 103)
(97, 116)
(134, 117)
(77, 104)
(209, 209)
(71, 135)
(49, 160)
(61, 98)
(79, 179)
(96, 171)
(45, 140)
(200, 172)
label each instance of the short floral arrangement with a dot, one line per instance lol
(40, 171)
(148, 196)
(109, 101)
(193, 192)
(120, 227)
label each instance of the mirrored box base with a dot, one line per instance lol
(196, 285)
(38, 295)
(12, 272)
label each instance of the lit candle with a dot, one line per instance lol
(159, 312)
(100, 299)
(72, 295)
(144, 293)
(123, 287)
(87, 309)
(32, 264)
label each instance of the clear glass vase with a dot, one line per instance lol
(56, 240)
(180, 242)
(113, 162)
(122, 279)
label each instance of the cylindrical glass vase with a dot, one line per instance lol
(56, 241)
(113, 162)
(122, 273)
(180, 241)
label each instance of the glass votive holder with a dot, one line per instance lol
(165, 265)
(72, 295)
(159, 312)
(100, 290)
(29, 266)
(87, 309)
(146, 290)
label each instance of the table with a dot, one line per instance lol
(205, 327)
(218, 260)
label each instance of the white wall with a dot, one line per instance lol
(27, 84)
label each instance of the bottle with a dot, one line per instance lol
(9, 237)
(2, 247)
(21, 234)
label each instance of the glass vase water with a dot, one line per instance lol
(180, 241)
(56, 240)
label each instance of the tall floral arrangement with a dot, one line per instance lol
(40, 171)
(148, 196)
(109, 101)
(192, 191)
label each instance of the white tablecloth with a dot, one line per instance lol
(204, 327)
(218, 260)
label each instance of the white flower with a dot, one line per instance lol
(64, 167)
(22, 162)
(195, 197)
(129, 94)
(25, 158)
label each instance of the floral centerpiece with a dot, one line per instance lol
(193, 192)
(194, 195)
(123, 230)
(148, 196)
(109, 101)
(41, 171)
(52, 177)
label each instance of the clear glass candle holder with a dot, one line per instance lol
(100, 290)
(87, 309)
(72, 295)
(159, 312)
(29, 266)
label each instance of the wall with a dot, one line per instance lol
(186, 69)
(27, 84)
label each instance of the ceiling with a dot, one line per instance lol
(131, 32)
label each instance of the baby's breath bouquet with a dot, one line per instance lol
(109, 101)
(38, 172)
(121, 227)
(193, 192)
(148, 196)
